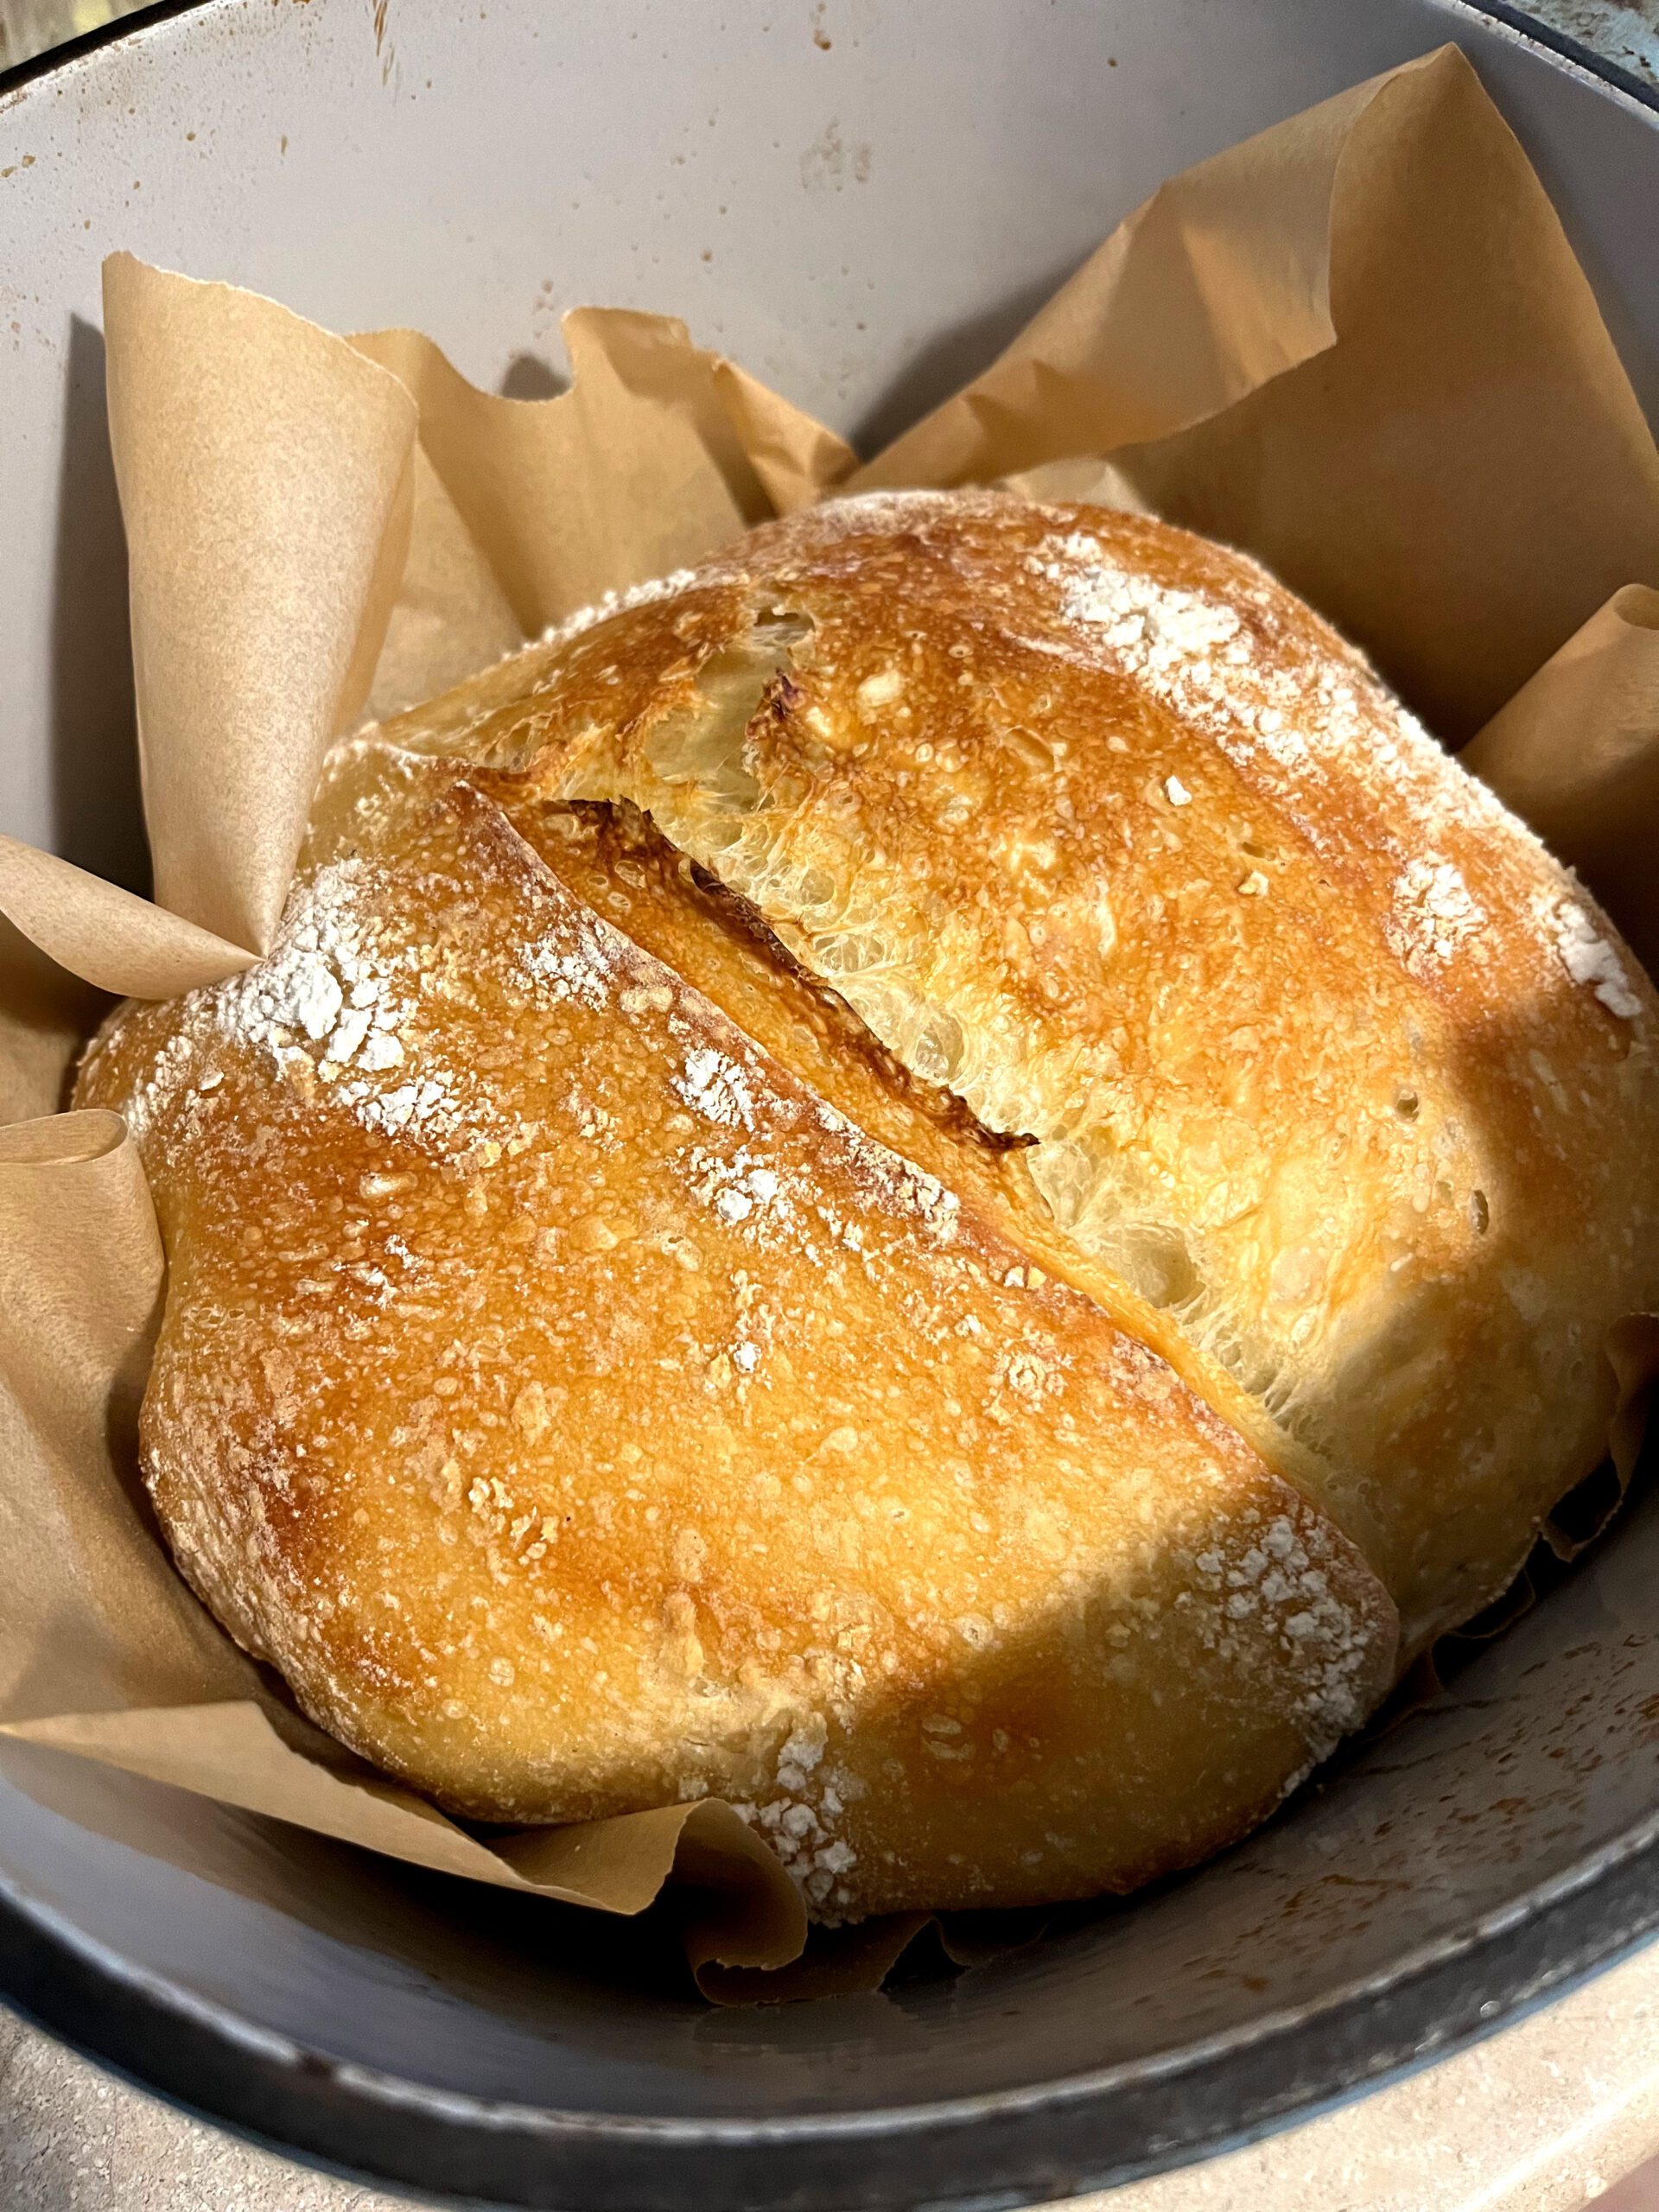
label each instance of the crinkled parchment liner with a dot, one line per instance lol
(1358, 344)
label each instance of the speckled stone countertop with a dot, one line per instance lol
(1626, 31)
(1551, 2115)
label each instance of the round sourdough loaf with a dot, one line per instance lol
(922, 1180)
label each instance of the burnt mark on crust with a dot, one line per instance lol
(781, 697)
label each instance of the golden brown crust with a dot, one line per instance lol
(583, 1415)
(1093, 823)
(612, 856)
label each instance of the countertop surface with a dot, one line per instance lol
(1553, 2114)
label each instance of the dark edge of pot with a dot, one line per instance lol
(85, 42)
(1023, 2146)
(1529, 31)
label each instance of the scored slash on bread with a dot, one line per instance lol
(923, 1178)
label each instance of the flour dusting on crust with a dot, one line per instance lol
(1588, 958)
(1434, 913)
(617, 602)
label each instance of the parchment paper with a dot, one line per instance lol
(657, 452)
(1357, 345)
(1576, 753)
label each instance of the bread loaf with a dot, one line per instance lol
(926, 1179)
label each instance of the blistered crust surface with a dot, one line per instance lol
(584, 1414)
(1095, 826)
